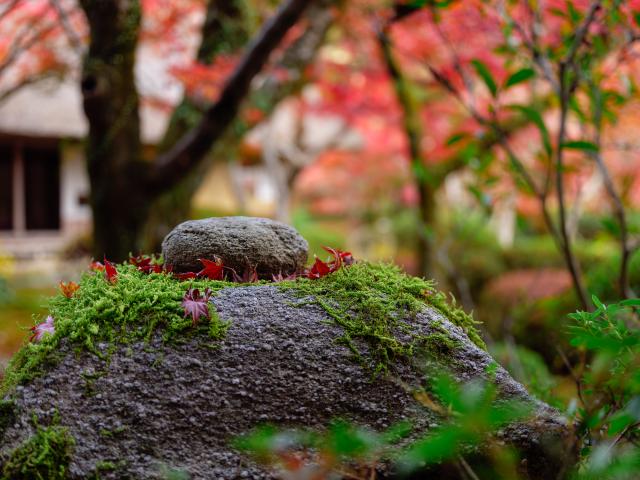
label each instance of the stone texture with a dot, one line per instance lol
(241, 242)
(156, 405)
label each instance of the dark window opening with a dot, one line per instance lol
(6, 188)
(42, 188)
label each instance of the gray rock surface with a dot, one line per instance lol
(241, 242)
(156, 404)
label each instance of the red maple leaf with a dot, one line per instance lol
(68, 289)
(110, 271)
(213, 270)
(281, 278)
(320, 269)
(145, 264)
(185, 275)
(250, 275)
(196, 305)
(180, 276)
(96, 266)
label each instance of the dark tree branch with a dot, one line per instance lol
(172, 166)
(224, 30)
(582, 31)
(301, 53)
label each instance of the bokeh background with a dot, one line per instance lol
(490, 145)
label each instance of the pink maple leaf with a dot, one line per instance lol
(42, 329)
(196, 305)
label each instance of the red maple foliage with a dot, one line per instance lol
(110, 272)
(321, 269)
(213, 269)
(146, 264)
(45, 328)
(185, 275)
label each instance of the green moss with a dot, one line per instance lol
(374, 302)
(377, 303)
(7, 415)
(44, 456)
(133, 307)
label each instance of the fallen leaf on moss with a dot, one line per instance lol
(42, 329)
(196, 305)
(68, 289)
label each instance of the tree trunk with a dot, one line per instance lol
(123, 186)
(113, 149)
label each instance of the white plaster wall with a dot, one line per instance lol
(74, 185)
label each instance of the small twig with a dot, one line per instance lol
(467, 468)
(9, 8)
(618, 206)
(582, 31)
(572, 263)
(26, 81)
(74, 39)
(574, 377)
(19, 47)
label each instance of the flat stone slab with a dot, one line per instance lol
(241, 242)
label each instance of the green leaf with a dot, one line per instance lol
(520, 76)
(633, 302)
(636, 17)
(598, 303)
(455, 138)
(483, 71)
(574, 14)
(581, 145)
(535, 117)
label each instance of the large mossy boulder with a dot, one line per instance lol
(130, 388)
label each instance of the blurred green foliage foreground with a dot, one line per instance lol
(606, 419)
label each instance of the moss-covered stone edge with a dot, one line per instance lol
(101, 312)
(43, 456)
(374, 302)
(371, 301)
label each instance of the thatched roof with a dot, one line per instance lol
(53, 107)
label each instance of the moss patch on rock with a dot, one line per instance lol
(133, 307)
(377, 303)
(7, 415)
(44, 456)
(373, 302)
